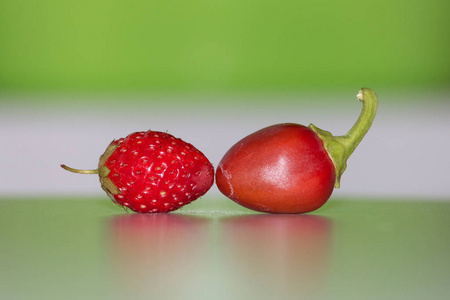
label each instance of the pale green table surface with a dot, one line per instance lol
(214, 249)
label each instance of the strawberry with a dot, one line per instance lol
(152, 172)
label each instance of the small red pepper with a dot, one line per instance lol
(291, 168)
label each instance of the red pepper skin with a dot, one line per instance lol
(282, 168)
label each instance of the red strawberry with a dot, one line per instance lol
(152, 172)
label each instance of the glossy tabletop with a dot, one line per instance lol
(87, 248)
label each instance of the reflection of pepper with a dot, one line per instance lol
(290, 168)
(277, 256)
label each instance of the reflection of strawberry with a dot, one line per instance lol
(152, 172)
(148, 254)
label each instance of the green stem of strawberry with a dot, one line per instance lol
(341, 147)
(79, 171)
(102, 171)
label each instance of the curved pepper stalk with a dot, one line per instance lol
(340, 148)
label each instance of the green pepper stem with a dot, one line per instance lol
(340, 148)
(365, 120)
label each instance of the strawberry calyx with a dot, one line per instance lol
(107, 185)
(102, 171)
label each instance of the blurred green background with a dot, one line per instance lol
(222, 45)
(76, 74)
